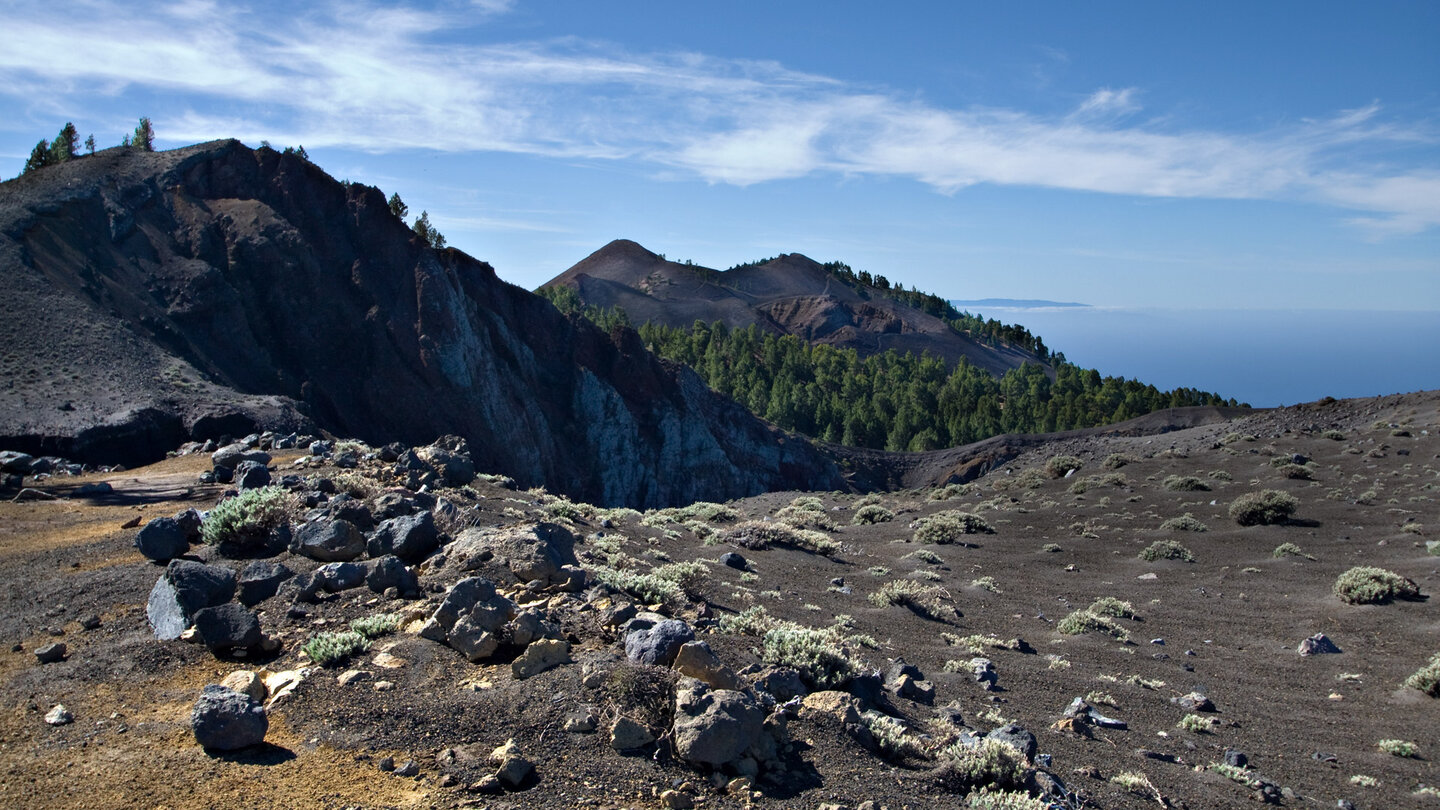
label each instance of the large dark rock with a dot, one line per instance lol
(659, 644)
(232, 455)
(184, 589)
(339, 576)
(390, 572)
(409, 537)
(268, 290)
(251, 475)
(162, 539)
(715, 727)
(260, 580)
(228, 626)
(1017, 736)
(226, 720)
(328, 541)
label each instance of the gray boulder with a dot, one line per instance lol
(261, 580)
(189, 521)
(15, 462)
(715, 727)
(227, 627)
(658, 645)
(226, 720)
(184, 589)
(532, 552)
(162, 540)
(251, 475)
(329, 541)
(1015, 735)
(232, 455)
(339, 576)
(390, 572)
(471, 618)
(409, 537)
(450, 457)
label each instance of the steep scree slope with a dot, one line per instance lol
(150, 297)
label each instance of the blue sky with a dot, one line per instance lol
(1259, 155)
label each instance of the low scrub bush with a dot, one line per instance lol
(943, 528)
(752, 621)
(926, 556)
(1115, 461)
(1166, 550)
(646, 587)
(246, 520)
(758, 534)
(819, 656)
(1184, 483)
(1427, 678)
(1060, 466)
(872, 513)
(1185, 523)
(1083, 621)
(992, 764)
(378, 625)
(1111, 607)
(988, 799)
(642, 692)
(688, 576)
(891, 736)
(1289, 550)
(1266, 507)
(949, 492)
(1367, 585)
(330, 649)
(1196, 724)
(927, 600)
(1399, 748)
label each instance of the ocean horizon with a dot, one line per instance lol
(1266, 358)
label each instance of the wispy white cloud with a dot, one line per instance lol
(377, 77)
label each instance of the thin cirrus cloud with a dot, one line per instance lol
(381, 78)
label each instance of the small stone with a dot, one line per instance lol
(350, 676)
(383, 686)
(676, 799)
(487, 784)
(582, 722)
(246, 682)
(732, 560)
(386, 764)
(1317, 644)
(539, 656)
(50, 653)
(59, 716)
(385, 660)
(513, 771)
(629, 735)
(1194, 702)
(410, 768)
(89, 622)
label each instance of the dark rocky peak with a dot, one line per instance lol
(149, 298)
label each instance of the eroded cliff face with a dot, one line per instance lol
(218, 288)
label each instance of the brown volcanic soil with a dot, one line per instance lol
(1238, 609)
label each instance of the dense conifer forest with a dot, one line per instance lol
(892, 401)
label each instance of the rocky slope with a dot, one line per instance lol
(791, 294)
(147, 298)
(1102, 609)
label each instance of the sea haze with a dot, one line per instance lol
(1263, 357)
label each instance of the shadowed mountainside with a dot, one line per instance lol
(146, 298)
(791, 294)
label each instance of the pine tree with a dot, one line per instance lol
(144, 139)
(401, 210)
(63, 147)
(427, 232)
(39, 157)
(90, 144)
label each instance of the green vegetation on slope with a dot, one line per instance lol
(890, 401)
